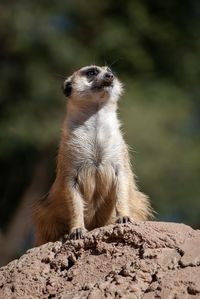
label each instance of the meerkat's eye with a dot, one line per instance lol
(92, 73)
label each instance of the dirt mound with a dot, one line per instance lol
(141, 260)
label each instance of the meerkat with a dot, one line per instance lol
(94, 183)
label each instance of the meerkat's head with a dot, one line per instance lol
(92, 83)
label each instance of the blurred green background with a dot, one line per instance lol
(154, 48)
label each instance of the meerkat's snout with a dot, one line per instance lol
(104, 79)
(108, 77)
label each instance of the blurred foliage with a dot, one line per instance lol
(152, 45)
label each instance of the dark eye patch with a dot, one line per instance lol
(91, 72)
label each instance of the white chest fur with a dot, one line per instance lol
(95, 138)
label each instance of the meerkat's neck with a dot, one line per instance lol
(77, 114)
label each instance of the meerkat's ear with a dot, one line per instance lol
(67, 88)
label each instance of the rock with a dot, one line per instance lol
(130, 261)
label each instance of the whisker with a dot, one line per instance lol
(105, 62)
(116, 60)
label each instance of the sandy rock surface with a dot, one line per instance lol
(141, 260)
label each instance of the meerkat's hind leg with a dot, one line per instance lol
(48, 231)
(49, 227)
(140, 206)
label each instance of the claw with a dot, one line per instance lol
(77, 233)
(124, 219)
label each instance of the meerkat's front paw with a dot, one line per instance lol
(123, 219)
(77, 233)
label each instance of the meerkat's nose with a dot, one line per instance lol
(108, 77)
